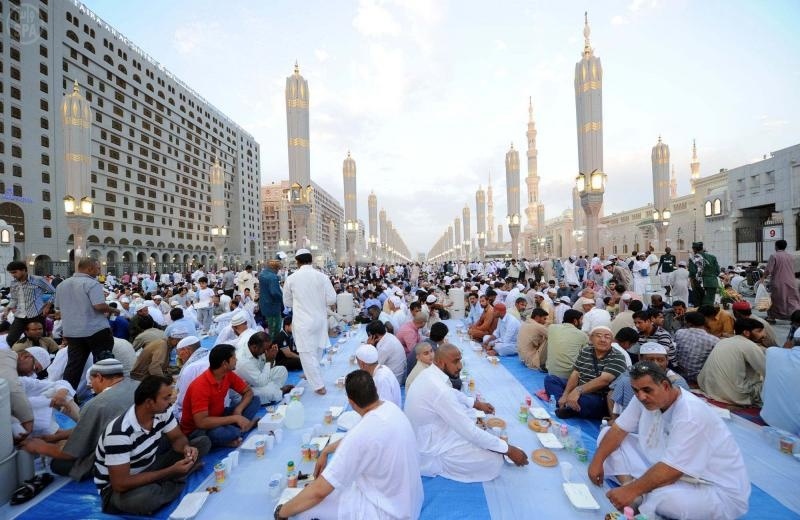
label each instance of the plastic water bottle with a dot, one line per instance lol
(552, 405)
(295, 414)
(275, 485)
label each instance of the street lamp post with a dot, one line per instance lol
(591, 188)
(76, 125)
(661, 222)
(300, 199)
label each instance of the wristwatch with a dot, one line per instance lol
(277, 515)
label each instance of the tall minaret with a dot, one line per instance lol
(350, 211)
(535, 209)
(480, 220)
(383, 233)
(457, 239)
(512, 198)
(589, 112)
(694, 165)
(297, 128)
(489, 213)
(673, 184)
(467, 235)
(661, 204)
(372, 204)
(299, 157)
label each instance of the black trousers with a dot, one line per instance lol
(99, 345)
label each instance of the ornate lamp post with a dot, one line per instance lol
(591, 188)
(76, 125)
(299, 198)
(219, 231)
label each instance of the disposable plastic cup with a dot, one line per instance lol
(566, 471)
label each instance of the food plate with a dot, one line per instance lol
(539, 413)
(348, 420)
(549, 440)
(250, 442)
(539, 425)
(493, 359)
(495, 422)
(189, 506)
(544, 457)
(580, 496)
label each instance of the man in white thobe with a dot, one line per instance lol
(385, 381)
(671, 451)
(194, 361)
(390, 351)
(503, 341)
(309, 293)
(254, 365)
(449, 442)
(375, 473)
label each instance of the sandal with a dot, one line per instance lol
(31, 488)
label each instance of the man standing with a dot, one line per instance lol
(270, 296)
(781, 407)
(83, 309)
(782, 284)
(246, 280)
(29, 298)
(666, 264)
(255, 365)
(669, 448)
(448, 441)
(704, 273)
(375, 471)
(309, 293)
(129, 473)
(113, 395)
(228, 282)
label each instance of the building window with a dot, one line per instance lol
(46, 215)
(16, 170)
(45, 196)
(708, 208)
(47, 232)
(717, 207)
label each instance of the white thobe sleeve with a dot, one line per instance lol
(452, 412)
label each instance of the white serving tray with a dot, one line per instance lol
(579, 496)
(550, 441)
(189, 506)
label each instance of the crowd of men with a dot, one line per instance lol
(623, 339)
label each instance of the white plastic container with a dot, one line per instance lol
(295, 414)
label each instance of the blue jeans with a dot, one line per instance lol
(224, 435)
(593, 406)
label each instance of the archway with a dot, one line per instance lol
(127, 257)
(111, 257)
(141, 257)
(165, 258)
(15, 217)
(41, 265)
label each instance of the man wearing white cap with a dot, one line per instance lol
(597, 366)
(255, 364)
(154, 357)
(542, 302)
(193, 361)
(390, 351)
(670, 450)
(592, 316)
(113, 395)
(385, 381)
(680, 282)
(560, 306)
(309, 293)
(238, 324)
(44, 395)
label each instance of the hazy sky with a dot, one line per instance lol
(427, 95)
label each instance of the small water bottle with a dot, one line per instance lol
(552, 405)
(275, 485)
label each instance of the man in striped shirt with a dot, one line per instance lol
(29, 298)
(130, 474)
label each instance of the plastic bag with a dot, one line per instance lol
(763, 299)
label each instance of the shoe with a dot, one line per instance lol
(31, 488)
(566, 413)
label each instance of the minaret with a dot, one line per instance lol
(589, 112)
(372, 204)
(673, 184)
(694, 165)
(512, 198)
(383, 234)
(480, 220)
(661, 204)
(465, 222)
(490, 212)
(297, 131)
(457, 239)
(350, 211)
(535, 209)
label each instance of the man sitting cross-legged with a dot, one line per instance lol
(204, 411)
(130, 474)
(670, 450)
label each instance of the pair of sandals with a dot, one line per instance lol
(31, 488)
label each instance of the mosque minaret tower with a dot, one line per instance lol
(535, 209)
(589, 114)
(489, 213)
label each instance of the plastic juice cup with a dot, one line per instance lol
(219, 472)
(261, 448)
(328, 417)
(306, 451)
(291, 480)
(314, 452)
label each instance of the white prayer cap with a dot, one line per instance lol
(40, 355)
(238, 318)
(430, 299)
(150, 303)
(398, 292)
(540, 294)
(107, 367)
(565, 299)
(179, 332)
(302, 251)
(174, 303)
(585, 301)
(157, 296)
(367, 353)
(136, 307)
(188, 341)
(599, 328)
(607, 263)
(652, 347)
(551, 290)
(520, 286)
(220, 291)
(626, 297)
(396, 301)
(681, 264)
(124, 299)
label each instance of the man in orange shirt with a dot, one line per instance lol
(718, 322)
(486, 323)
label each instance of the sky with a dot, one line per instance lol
(428, 95)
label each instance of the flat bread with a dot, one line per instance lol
(544, 457)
